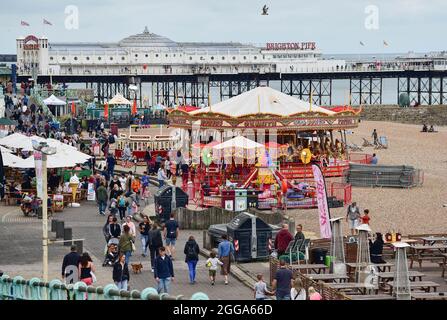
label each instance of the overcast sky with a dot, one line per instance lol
(337, 26)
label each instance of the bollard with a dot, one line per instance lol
(79, 246)
(54, 225)
(60, 229)
(68, 235)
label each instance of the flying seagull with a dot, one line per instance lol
(265, 10)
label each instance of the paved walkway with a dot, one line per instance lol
(20, 245)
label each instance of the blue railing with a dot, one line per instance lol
(18, 288)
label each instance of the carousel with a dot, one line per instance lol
(283, 137)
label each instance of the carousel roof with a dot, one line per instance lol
(262, 100)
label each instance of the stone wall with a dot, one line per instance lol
(431, 115)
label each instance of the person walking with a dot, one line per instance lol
(101, 196)
(148, 159)
(122, 206)
(283, 239)
(283, 281)
(170, 234)
(167, 166)
(313, 294)
(212, 264)
(86, 269)
(144, 228)
(298, 292)
(191, 252)
(260, 288)
(110, 160)
(352, 217)
(131, 225)
(155, 243)
(136, 189)
(126, 243)
(224, 251)
(70, 265)
(163, 271)
(115, 191)
(161, 176)
(115, 228)
(120, 273)
(375, 137)
(106, 228)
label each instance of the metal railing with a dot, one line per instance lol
(18, 288)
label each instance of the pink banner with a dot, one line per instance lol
(323, 209)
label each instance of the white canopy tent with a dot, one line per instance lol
(119, 100)
(54, 101)
(237, 148)
(262, 100)
(10, 160)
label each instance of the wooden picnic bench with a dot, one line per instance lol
(371, 297)
(389, 276)
(360, 287)
(433, 253)
(382, 267)
(433, 239)
(316, 268)
(429, 295)
(422, 285)
(328, 277)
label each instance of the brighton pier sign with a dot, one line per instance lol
(291, 46)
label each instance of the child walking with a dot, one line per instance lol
(260, 288)
(212, 263)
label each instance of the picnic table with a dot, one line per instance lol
(328, 277)
(316, 268)
(382, 267)
(360, 287)
(388, 276)
(432, 240)
(429, 295)
(422, 252)
(422, 285)
(372, 297)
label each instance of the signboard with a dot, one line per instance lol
(31, 43)
(39, 172)
(323, 208)
(91, 195)
(291, 46)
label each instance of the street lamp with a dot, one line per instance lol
(41, 151)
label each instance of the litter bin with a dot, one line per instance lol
(250, 236)
(318, 255)
(163, 200)
(228, 199)
(240, 200)
(252, 198)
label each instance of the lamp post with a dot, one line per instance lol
(42, 150)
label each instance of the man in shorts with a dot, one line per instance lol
(170, 234)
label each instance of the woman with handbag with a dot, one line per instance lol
(127, 243)
(86, 269)
(121, 275)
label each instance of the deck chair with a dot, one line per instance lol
(382, 143)
(366, 143)
(355, 147)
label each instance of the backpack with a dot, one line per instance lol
(122, 202)
(190, 252)
(111, 139)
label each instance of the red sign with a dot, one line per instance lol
(291, 46)
(31, 46)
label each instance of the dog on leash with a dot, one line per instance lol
(136, 267)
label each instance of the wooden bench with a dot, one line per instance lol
(423, 285)
(360, 287)
(372, 297)
(328, 277)
(382, 267)
(316, 268)
(429, 295)
(389, 276)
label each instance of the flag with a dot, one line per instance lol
(47, 22)
(24, 23)
(323, 208)
(106, 110)
(73, 109)
(361, 43)
(134, 107)
(385, 43)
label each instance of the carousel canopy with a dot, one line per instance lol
(264, 100)
(119, 100)
(53, 101)
(238, 142)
